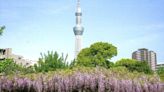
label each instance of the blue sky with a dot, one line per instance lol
(35, 26)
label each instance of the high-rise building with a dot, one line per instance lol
(78, 29)
(152, 60)
(141, 54)
(136, 55)
(144, 54)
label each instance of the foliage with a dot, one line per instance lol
(161, 77)
(134, 65)
(8, 66)
(97, 54)
(1, 29)
(82, 79)
(51, 62)
(109, 64)
(27, 70)
(160, 71)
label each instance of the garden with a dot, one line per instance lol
(92, 71)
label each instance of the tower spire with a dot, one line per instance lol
(78, 29)
(78, 3)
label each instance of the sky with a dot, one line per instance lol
(38, 26)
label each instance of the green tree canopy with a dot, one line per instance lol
(96, 55)
(160, 70)
(1, 29)
(8, 66)
(51, 62)
(134, 65)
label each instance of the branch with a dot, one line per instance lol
(1, 29)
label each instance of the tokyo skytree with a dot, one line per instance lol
(78, 30)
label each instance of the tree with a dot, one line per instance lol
(8, 66)
(160, 71)
(51, 62)
(1, 29)
(97, 54)
(134, 65)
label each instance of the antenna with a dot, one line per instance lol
(78, 3)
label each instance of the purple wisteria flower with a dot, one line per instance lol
(93, 81)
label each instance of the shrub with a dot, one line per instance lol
(160, 71)
(51, 62)
(134, 65)
(8, 66)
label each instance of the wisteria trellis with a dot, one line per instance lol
(79, 81)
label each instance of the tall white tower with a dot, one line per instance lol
(78, 30)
